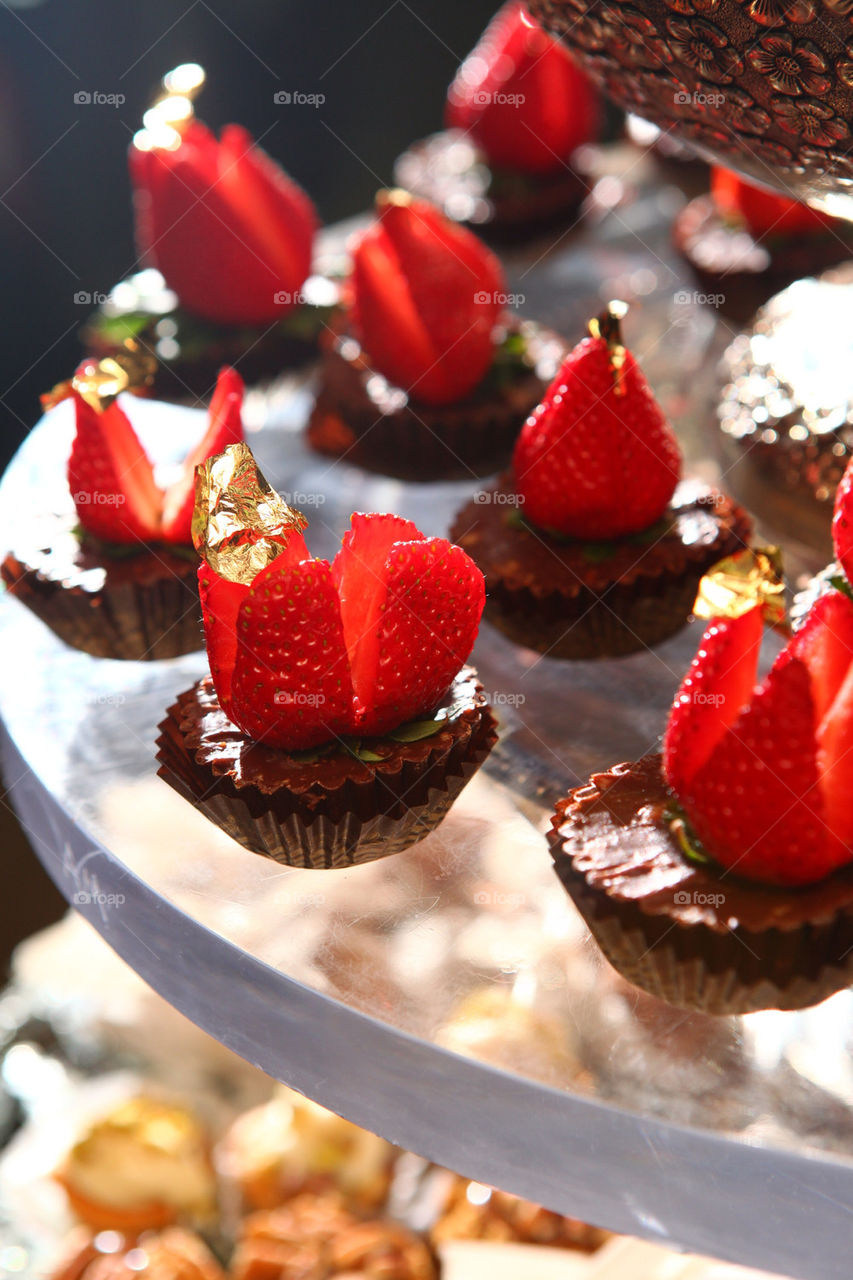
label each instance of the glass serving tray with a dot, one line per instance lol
(449, 997)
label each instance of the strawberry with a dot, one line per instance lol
(225, 426)
(521, 98)
(426, 295)
(110, 476)
(292, 685)
(310, 650)
(842, 523)
(229, 230)
(825, 644)
(112, 481)
(765, 212)
(717, 687)
(756, 803)
(597, 458)
(835, 762)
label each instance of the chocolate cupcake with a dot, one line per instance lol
(339, 723)
(426, 377)
(590, 547)
(745, 243)
(518, 113)
(362, 418)
(786, 409)
(117, 577)
(719, 876)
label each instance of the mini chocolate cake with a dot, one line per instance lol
(190, 350)
(786, 410)
(502, 207)
(134, 602)
(328, 807)
(741, 271)
(360, 417)
(681, 929)
(573, 599)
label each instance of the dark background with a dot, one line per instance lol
(65, 215)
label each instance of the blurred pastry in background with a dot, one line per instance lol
(291, 1145)
(143, 1165)
(473, 1211)
(173, 1254)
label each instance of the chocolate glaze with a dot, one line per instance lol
(336, 810)
(449, 171)
(137, 606)
(694, 934)
(553, 596)
(361, 417)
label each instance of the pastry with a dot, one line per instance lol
(140, 1167)
(719, 875)
(116, 574)
(226, 240)
(787, 405)
(314, 1237)
(290, 1145)
(591, 547)
(425, 376)
(338, 723)
(172, 1254)
(472, 1211)
(518, 111)
(744, 243)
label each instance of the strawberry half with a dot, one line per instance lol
(842, 523)
(597, 459)
(426, 295)
(112, 481)
(521, 97)
(756, 804)
(220, 606)
(292, 686)
(718, 685)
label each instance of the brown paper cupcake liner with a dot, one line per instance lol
(381, 431)
(356, 813)
(156, 617)
(654, 915)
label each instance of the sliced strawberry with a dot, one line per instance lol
(361, 580)
(596, 459)
(842, 523)
(825, 644)
(220, 605)
(110, 477)
(292, 686)
(429, 624)
(835, 762)
(224, 427)
(718, 685)
(756, 804)
(426, 296)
